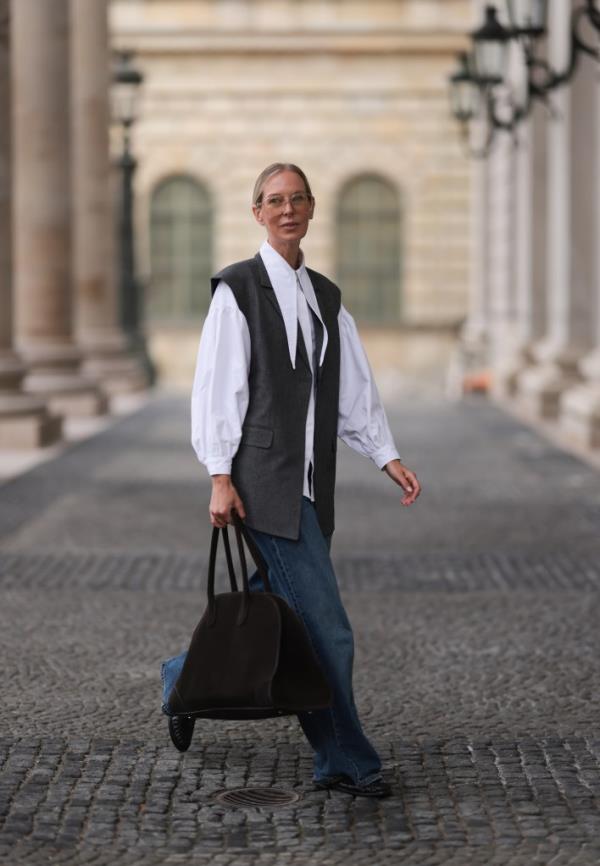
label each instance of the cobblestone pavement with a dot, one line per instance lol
(477, 667)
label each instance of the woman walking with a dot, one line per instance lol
(281, 373)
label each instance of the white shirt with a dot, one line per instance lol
(220, 391)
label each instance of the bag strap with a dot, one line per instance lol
(262, 567)
(240, 532)
(228, 557)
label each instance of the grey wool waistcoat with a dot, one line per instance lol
(268, 468)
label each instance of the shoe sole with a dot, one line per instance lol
(351, 789)
(356, 792)
(178, 745)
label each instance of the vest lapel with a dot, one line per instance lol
(263, 279)
(265, 282)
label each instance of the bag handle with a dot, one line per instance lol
(212, 560)
(262, 567)
(241, 532)
(229, 558)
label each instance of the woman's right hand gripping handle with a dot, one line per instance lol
(223, 499)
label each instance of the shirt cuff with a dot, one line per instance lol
(384, 455)
(219, 467)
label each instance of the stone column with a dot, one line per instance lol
(503, 335)
(529, 245)
(580, 404)
(567, 325)
(100, 336)
(24, 421)
(41, 217)
(475, 331)
(523, 236)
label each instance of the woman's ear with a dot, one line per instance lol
(311, 212)
(257, 211)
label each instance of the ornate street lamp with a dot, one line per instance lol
(126, 84)
(490, 44)
(528, 17)
(465, 96)
(486, 67)
(464, 92)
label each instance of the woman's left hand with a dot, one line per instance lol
(405, 478)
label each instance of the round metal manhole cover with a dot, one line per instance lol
(267, 797)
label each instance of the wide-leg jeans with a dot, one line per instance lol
(301, 572)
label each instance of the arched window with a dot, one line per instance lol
(368, 249)
(180, 250)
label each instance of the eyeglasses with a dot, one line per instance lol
(298, 200)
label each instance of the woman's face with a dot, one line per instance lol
(286, 209)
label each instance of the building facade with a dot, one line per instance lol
(534, 310)
(353, 92)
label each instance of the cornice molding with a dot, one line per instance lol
(180, 42)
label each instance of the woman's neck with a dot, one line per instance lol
(289, 250)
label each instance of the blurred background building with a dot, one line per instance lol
(458, 270)
(353, 92)
(533, 322)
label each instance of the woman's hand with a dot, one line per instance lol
(405, 478)
(223, 499)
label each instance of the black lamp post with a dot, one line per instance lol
(126, 83)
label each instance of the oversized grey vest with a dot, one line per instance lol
(268, 468)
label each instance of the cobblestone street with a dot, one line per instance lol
(477, 669)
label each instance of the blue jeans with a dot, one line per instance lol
(301, 571)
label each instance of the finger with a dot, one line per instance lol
(217, 519)
(413, 484)
(410, 498)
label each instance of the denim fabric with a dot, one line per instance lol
(169, 671)
(301, 571)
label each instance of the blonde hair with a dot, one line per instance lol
(272, 169)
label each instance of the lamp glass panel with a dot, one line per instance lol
(528, 14)
(454, 94)
(466, 94)
(490, 58)
(123, 102)
(464, 99)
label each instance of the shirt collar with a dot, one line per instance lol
(278, 268)
(283, 279)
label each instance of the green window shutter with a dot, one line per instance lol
(181, 226)
(368, 249)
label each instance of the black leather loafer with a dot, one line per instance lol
(181, 729)
(378, 788)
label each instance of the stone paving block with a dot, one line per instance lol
(475, 616)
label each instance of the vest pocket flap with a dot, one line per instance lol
(261, 437)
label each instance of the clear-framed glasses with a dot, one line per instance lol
(298, 200)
